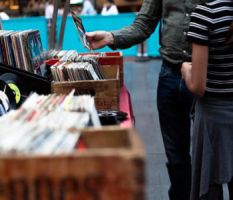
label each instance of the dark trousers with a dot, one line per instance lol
(174, 103)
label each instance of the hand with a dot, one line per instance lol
(99, 39)
(186, 69)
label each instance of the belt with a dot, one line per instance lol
(175, 68)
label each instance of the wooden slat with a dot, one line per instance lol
(106, 92)
(115, 171)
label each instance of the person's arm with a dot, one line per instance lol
(195, 73)
(142, 27)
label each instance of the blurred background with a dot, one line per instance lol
(16, 8)
(96, 15)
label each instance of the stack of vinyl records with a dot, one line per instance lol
(22, 49)
(73, 66)
(47, 124)
(73, 55)
(74, 71)
(64, 55)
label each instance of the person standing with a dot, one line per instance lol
(210, 78)
(109, 8)
(49, 8)
(88, 8)
(33, 8)
(174, 101)
(3, 14)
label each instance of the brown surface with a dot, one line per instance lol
(106, 91)
(111, 168)
(126, 5)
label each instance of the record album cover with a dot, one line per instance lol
(81, 30)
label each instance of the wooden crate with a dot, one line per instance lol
(106, 91)
(112, 167)
(111, 59)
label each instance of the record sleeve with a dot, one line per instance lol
(81, 30)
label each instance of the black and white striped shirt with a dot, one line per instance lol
(209, 26)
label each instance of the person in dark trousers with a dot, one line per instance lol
(210, 78)
(174, 101)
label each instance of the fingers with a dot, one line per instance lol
(186, 65)
(90, 34)
(93, 40)
(96, 45)
(186, 68)
(97, 39)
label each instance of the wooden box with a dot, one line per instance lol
(106, 92)
(112, 167)
(110, 59)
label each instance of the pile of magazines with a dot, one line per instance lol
(22, 49)
(47, 124)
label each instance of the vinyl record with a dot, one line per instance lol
(6, 90)
(15, 84)
(107, 118)
(118, 115)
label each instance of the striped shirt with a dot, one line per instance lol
(209, 26)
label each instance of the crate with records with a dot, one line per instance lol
(84, 73)
(98, 74)
(45, 124)
(104, 58)
(22, 49)
(48, 151)
(110, 59)
(52, 145)
(26, 67)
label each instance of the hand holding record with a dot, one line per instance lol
(99, 39)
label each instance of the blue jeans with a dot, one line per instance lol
(174, 103)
